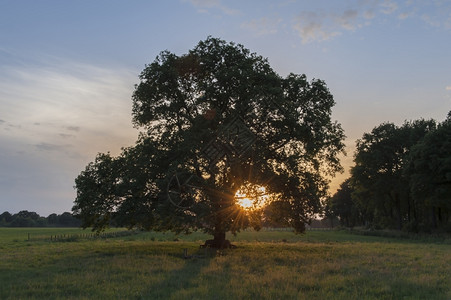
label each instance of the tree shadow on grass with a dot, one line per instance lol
(130, 270)
(183, 282)
(147, 270)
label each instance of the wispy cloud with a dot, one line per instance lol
(56, 115)
(388, 7)
(433, 13)
(369, 14)
(66, 136)
(93, 102)
(311, 26)
(204, 6)
(314, 26)
(348, 20)
(73, 128)
(325, 24)
(403, 16)
(52, 147)
(431, 20)
(263, 26)
(448, 88)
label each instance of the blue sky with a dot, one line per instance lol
(68, 70)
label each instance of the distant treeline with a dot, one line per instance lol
(26, 218)
(401, 179)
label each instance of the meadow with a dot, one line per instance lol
(265, 265)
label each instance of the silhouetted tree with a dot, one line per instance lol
(344, 207)
(429, 172)
(27, 214)
(215, 120)
(5, 218)
(66, 219)
(380, 186)
(52, 219)
(26, 218)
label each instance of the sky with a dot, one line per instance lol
(68, 70)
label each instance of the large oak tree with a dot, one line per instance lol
(213, 122)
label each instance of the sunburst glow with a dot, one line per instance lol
(245, 202)
(251, 197)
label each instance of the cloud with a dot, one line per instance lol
(388, 7)
(431, 20)
(263, 26)
(403, 16)
(53, 94)
(312, 26)
(65, 135)
(448, 88)
(73, 128)
(348, 20)
(51, 147)
(204, 6)
(433, 13)
(369, 14)
(324, 24)
(56, 116)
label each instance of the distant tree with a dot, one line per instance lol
(41, 222)
(25, 218)
(215, 121)
(344, 207)
(5, 218)
(52, 219)
(381, 188)
(28, 214)
(66, 219)
(19, 221)
(429, 172)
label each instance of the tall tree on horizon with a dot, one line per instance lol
(381, 186)
(429, 172)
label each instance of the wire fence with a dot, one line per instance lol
(80, 236)
(291, 229)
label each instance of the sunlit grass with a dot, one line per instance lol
(266, 265)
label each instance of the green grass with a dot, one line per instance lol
(266, 265)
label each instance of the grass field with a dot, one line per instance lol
(266, 265)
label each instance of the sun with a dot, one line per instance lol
(251, 197)
(245, 203)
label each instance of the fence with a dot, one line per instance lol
(307, 228)
(79, 236)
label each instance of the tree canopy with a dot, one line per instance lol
(342, 205)
(213, 122)
(26, 218)
(429, 172)
(401, 178)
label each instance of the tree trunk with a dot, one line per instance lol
(398, 211)
(433, 218)
(218, 242)
(219, 239)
